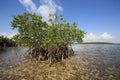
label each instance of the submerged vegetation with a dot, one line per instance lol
(47, 40)
(69, 69)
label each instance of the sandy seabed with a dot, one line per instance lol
(69, 69)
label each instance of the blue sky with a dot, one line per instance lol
(99, 18)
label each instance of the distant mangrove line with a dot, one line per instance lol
(6, 42)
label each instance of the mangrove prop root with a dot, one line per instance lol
(49, 54)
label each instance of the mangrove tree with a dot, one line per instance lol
(47, 40)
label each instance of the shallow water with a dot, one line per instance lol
(90, 62)
(99, 54)
(102, 54)
(11, 56)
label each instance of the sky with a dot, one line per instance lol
(100, 19)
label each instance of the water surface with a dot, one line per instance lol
(11, 56)
(91, 61)
(102, 54)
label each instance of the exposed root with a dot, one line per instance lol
(49, 54)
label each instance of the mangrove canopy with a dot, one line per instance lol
(47, 40)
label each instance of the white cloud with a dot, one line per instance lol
(104, 37)
(45, 8)
(30, 6)
(8, 35)
(91, 36)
